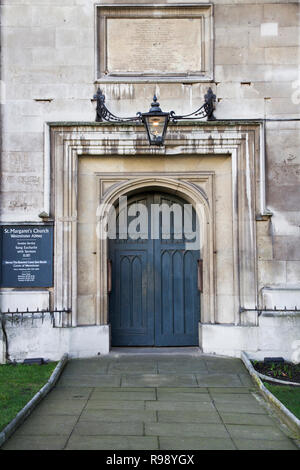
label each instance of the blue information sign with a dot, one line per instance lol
(26, 256)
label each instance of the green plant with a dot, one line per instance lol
(289, 396)
(286, 371)
(18, 384)
(273, 369)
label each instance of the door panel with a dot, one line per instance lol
(177, 299)
(154, 298)
(130, 300)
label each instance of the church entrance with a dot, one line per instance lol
(155, 273)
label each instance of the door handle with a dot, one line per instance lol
(200, 275)
(109, 276)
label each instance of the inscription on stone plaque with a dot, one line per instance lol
(27, 256)
(154, 43)
(168, 45)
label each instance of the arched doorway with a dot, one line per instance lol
(155, 298)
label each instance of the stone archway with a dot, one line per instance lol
(217, 167)
(187, 191)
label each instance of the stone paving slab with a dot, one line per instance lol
(74, 369)
(186, 429)
(246, 380)
(119, 416)
(222, 360)
(90, 381)
(178, 405)
(125, 390)
(20, 442)
(189, 416)
(75, 375)
(196, 443)
(218, 380)
(107, 443)
(241, 408)
(188, 361)
(55, 407)
(182, 368)
(132, 369)
(271, 433)
(234, 367)
(237, 399)
(148, 402)
(115, 405)
(47, 425)
(247, 419)
(231, 390)
(182, 390)
(123, 395)
(69, 393)
(263, 444)
(183, 396)
(159, 380)
(100, 428)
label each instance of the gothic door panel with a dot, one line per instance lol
(154, 299)
(177, 299)
(131, 299)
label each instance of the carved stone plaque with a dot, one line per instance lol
(158, 42)
(164, 45)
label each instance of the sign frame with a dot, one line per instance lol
(27, 255)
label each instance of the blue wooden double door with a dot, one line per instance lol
(154, 298)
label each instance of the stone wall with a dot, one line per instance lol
(48, 74)
(48, 69)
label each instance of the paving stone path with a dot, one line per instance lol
(152, 401)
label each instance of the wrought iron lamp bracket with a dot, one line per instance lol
(103, 114)
(205, 111)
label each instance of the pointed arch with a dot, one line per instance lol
(187, 191)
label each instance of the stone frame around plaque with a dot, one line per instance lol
(200, 14)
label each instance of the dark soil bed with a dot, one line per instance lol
(285, 371)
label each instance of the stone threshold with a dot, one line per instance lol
(192, 351)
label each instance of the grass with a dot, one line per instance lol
(289, 396)
(18, 384)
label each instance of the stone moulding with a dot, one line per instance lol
(193, 195)
(239, 141)
(152, 34)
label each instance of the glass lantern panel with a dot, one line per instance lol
(156, 126)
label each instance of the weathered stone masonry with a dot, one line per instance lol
(49, 73)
